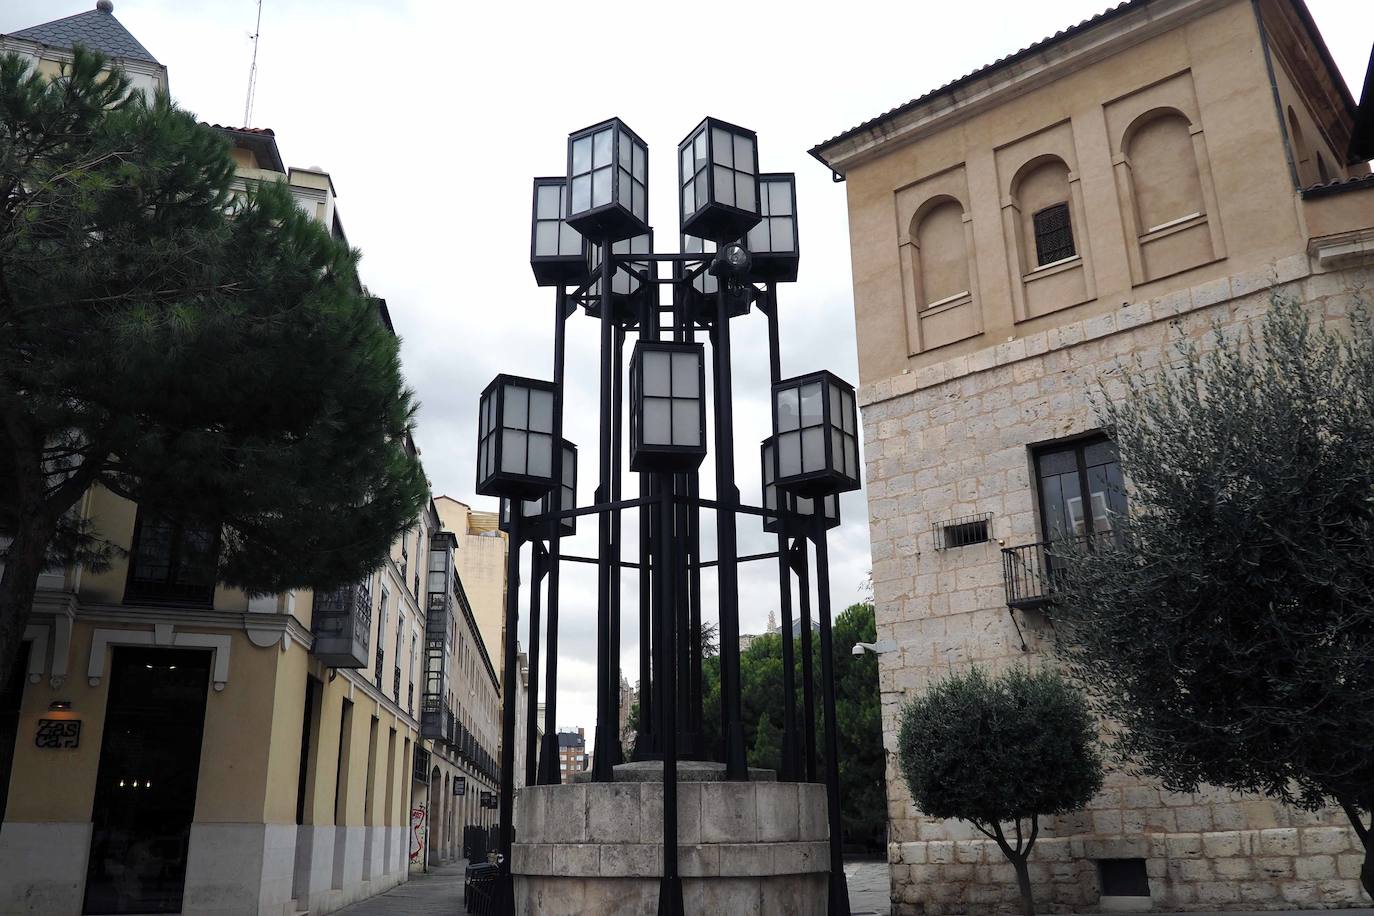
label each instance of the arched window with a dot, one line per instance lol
(1164, 172)
(1042, 193)
(1302, 156)
(942, 253)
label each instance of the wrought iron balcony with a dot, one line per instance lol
(1034, 573)
(341, 623)
(1026, 572)
(396, 683)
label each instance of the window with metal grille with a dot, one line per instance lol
(1053, 235)
(961, 532)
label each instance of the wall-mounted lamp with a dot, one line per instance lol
(880, 647)
(60, 705)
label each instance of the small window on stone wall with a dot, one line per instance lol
(1123, 877)
(1164, 172)
(942, 254)
(1053, 234)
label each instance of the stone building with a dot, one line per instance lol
(1018, 236)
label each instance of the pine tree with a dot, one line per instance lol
(195, 352)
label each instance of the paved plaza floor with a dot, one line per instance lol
(868, 888)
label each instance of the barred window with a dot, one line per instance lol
(1053, 235)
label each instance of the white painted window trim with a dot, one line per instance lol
(164, 635)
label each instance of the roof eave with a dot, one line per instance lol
(995, 83)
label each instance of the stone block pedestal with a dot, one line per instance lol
(755, 848)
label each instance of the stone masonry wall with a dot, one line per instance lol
(953, 439)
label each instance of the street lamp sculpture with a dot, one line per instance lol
(591, 240)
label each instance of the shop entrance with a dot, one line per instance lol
(145, 792)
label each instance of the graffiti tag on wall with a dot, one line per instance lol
(418, 816)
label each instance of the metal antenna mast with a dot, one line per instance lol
(253, 72)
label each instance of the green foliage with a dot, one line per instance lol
(1229, 630)
(1000, 750)
(184, 345)
(993, 750)
(857, 708)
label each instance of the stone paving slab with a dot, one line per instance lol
(439, 892)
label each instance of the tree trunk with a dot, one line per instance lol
(26, 560)
(1023, 883)
(1366, 835)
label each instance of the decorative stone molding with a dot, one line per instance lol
(59, 632)
(1344, 249)
(162, 634)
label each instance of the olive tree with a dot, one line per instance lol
(1001, 752)
(1228, 628)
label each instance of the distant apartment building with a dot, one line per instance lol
(572, 752)
(1019, 236)
(226, 754)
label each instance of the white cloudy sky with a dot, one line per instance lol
(432, 116)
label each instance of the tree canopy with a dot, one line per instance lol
(1001, 750)
(1229, 627)
(200, 348)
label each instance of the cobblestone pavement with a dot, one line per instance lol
(440, 891)
(868, 888)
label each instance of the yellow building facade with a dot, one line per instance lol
(1019, 238)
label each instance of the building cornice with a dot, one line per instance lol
(994, 85)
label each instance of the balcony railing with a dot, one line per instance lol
(1034, 573)
(341, 622)
(396, 684)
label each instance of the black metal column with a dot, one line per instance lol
(799, 563)
(839, 885)
(538, 566)
(670, 888)
(727, 496)
(505, 886)
(549, 773)
(791, 744)
(604, 762)
(613, 675)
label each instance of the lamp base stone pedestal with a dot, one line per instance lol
(755, 848)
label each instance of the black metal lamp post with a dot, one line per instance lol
(816, 432)
(591, 240)
(515, 461)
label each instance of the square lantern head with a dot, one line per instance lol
(796, 511)
(631, 284)
(667, 406)
(718, 181)
(773, 242)
(816, 426)
(515, 438)
(567, 491)
(608, 182)
(558, 252)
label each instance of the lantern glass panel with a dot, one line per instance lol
(776, 232)
(787, 409)
(685, 380)
(657, 374)
(513, 451)
(658, 421)
(517, 401)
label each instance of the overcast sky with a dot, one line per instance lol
(432, 117)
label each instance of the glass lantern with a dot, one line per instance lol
(718, 181)
(667, 406)
(773, 242)
(628, 289)
(567, 491)
(515, 438)
(817, 435)
(608, 182)
(558, 252)
(792, 506)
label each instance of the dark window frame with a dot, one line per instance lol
(148, 591)
(1079, 446)
(1054, 240)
